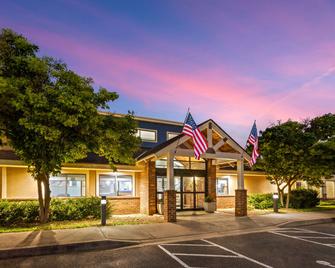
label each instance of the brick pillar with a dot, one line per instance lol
(152, 209)
(170, 214)
(211, 176)
(241, 202)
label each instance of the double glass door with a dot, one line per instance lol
(190, 191)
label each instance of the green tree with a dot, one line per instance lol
(323, 151)
(285, 151)
(49, 115)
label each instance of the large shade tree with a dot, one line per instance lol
(323, 150)
(49, 115)
(286, 156)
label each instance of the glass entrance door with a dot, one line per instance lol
(190, 191)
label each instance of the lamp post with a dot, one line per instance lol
(103, 210)
(275, 197)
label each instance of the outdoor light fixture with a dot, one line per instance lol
(103, 210)
(275, 197)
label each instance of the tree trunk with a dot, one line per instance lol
(280, 193)
(281, 197)
(43, 196)
(288, 194)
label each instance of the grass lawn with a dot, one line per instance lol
(323, 206)
(113, 221)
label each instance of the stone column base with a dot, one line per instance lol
(241, 202)
(170, 213)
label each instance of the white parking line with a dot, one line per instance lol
(209, 244)
(288, 233)
(174, 257)
(190, 245)
(238, 254)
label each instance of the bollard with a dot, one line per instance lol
(275, 202)
(103, 210)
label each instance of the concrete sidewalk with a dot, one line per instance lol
(221, 223)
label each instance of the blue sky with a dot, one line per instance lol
(232, 61)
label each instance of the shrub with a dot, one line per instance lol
(19, 212)
(25, 212)
(304, 198)
(260, 201)
(76, 209)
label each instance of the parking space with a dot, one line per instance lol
(307, 235)
(204, 253)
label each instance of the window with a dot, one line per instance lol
(115, 185)
(149, 135)
(170, 135)
(222, 186)
(67, 185)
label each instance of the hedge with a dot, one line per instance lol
(300, 198)
(27, 212)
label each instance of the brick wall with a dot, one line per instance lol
(170, 214)
(211, 179)
(225, 202)
(152, 188)
(240, 202)
(124, 205)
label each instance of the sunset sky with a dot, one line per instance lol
(232, 61)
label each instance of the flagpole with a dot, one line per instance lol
(188, 111)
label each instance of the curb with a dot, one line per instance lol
(62, 248)
(306, 223)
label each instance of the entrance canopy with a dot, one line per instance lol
(221, 147)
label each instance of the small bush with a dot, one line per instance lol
(304, 198)
(260, 201)
(14, 213)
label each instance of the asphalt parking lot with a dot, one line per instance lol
(312, 246)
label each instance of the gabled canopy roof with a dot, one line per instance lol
(221, 145)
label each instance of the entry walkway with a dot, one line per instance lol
(196, 227)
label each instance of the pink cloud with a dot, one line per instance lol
(210, 92)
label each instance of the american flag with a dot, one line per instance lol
(191, 129)
(253, 140)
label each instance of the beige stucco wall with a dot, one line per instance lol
(258, 184)
(91, 188)
(0, 182)
(253, 183)
(20, 184)
(330, 187)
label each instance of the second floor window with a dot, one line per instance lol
(149, 135)
(170, 135)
